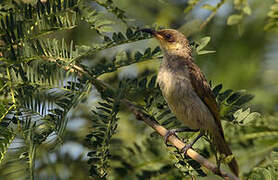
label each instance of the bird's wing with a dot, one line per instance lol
(202, 88)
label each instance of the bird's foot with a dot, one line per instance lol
(186, 147)
(174, 132)
(189, 145)
(168, 134)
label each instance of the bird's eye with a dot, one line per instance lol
(168, 36)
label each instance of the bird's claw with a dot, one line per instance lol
(188, 146)
(185, 148)
(168, 134)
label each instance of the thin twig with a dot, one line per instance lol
(177, 142)
(209, 18)
(140, 115)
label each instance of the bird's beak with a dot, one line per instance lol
(152, 32)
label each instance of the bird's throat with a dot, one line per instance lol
(175, 63)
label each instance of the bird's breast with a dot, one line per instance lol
(182, 99)
(175, 83)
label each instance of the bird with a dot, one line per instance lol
(187, 92)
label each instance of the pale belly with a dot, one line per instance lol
(184, 102)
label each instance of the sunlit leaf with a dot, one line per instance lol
(202, 43)
(208, 7)
(234, 19)
(205, 52)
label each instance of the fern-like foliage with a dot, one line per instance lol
(233, 105)
(243, 9)
(144, 161)
(112, 8)
(124, 58)
(156, 107)
(32, 22)
(266, 171)
(104, 127)
(48, 78)
(40, 78)
(230, 103)
(6, 138)
(272, 17)
(117, 39)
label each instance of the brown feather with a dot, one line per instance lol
(199, 109)
(203, 90)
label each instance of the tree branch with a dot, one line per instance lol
(209, 18)
(177, 142)
(140, 115)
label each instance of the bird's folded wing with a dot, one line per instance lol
(202, 88)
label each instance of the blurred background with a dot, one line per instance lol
(246, 57)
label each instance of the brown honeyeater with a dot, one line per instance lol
(187, 91)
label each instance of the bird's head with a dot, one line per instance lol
(171, 41)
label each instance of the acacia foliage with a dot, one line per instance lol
(46, 79)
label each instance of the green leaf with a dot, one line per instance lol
(267, 174)
(237, 2)
(205, 52)
(168, 121)
(142, 83)
(237, 113)
(228, 159)
(240, 116)
(270, 25)
(105, 29)
(208, 7)
(202, 43)
(107, 39)
(224, 95)
(104, 110)
(272, 14)
(247, 10)
(152, 82)
(6, 138)
(129, 33)
(251, 117)
(138, 56)
(121, 37)
(147, 52)
(234, 19)
(217, 89)
(244, 99)
(105, 105)
(103, 23)
(156, 50)
(115, 37)
(234, 97)
(274, 7)
(162, 115)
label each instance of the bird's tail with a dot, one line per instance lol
(223, 148)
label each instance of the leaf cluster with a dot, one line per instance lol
(47, 79)
(233, 105)
(104, 120)
(272, 17)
